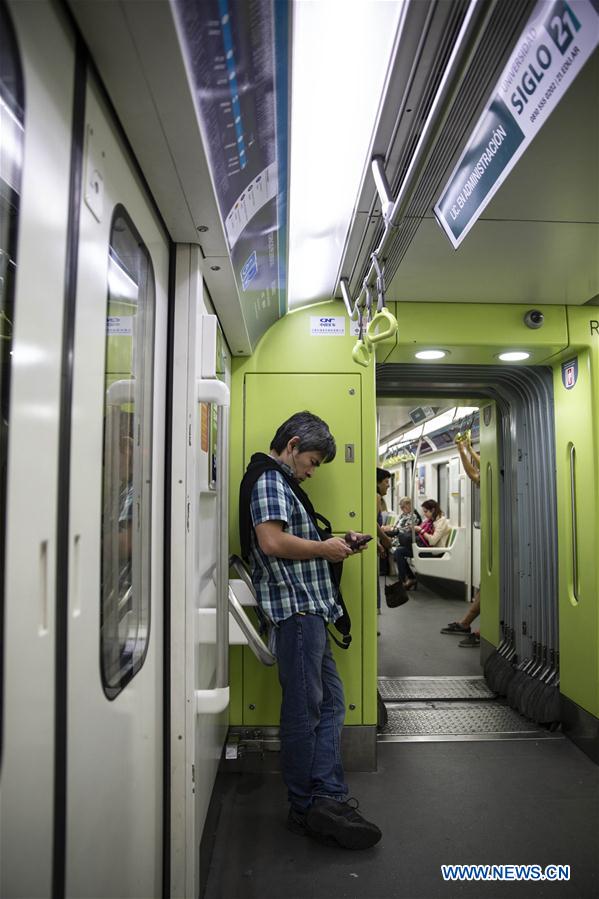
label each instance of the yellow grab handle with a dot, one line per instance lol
(379, 318)
(360, 354)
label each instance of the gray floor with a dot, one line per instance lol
(411, 643)
(520, 802)
(436, 803)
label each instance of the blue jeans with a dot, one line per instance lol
(402, 554)
(312, 712)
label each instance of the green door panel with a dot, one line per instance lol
(292, 370)
(489, 523)
(261, 690)
(336, 488)
(576, 444)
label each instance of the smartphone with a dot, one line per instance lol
(357, 542)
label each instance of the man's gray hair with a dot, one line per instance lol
(314, 435)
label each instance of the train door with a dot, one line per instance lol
(36, 99)
(115, 626)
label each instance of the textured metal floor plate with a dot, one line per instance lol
(402, 689)
(459, 721)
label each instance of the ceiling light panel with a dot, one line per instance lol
(341, 54)
(431, 354)
(514, 356)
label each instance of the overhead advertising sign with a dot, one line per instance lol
(239, 56)
(554, 46)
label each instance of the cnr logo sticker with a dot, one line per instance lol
(327, 326)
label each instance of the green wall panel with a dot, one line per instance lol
(576, 425)
(336, 487)
(475, 334)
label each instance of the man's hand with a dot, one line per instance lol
(335, 549)
(356, 541)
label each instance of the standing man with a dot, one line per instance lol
(384, 542)
(383, 478)
(471, 464)
(297, 590)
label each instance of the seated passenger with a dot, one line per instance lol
(433, 532)
(403, 529)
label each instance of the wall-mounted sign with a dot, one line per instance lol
(120, 324)
(558, 39)
(238, 54)
(570, 373)
(327, 326)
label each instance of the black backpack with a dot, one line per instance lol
(259, 463)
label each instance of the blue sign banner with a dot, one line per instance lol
(238, 53)
(558, 39)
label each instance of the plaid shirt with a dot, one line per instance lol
(287, 586)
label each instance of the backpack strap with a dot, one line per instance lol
(345, 640)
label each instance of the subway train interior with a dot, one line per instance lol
(216, 214)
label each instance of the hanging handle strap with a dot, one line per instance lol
(383, 319)
(361, 351)
(361, 354)
(388, 322)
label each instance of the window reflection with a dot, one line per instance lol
(127, 461)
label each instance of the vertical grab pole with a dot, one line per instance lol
(574, 527)
(414, 470)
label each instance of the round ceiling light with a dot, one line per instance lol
(514, 356)
(431, 354)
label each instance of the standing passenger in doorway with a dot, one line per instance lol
(384, 541)
(297, 590)
(471, 464)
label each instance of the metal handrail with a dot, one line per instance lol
(222, 613)
(262, 653)
(470, 35)
(414, 470)
(216, 699)
(244, 575)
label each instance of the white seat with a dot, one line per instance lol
(447, 561)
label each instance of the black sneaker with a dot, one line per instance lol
(454, 627)
(470, 640)
(341, 822)
(296, 822)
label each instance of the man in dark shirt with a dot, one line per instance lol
(297, 590)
